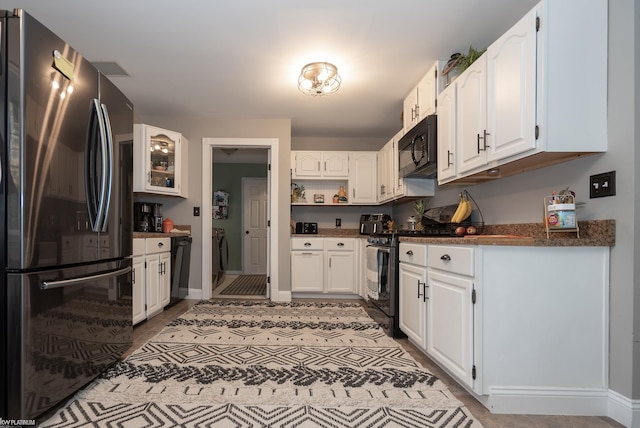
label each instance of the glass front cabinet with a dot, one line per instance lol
(160, 158)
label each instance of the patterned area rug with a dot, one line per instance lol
(266, 364)
(246, 285)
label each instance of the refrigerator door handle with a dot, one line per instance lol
(108, 143)
(96, 202)
(47, 285)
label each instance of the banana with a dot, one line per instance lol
(468, 208)
(459, 211)
(463, 211)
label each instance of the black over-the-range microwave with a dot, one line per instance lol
(418, 149)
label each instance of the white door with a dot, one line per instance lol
(254, 248)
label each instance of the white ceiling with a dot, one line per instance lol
(241, 58)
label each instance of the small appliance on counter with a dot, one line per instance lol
(147, 217)
(374, 223)
(307, 228)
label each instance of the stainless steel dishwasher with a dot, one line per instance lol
(180, 261)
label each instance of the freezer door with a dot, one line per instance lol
(117, 238)
(74, 323)
(52, 162)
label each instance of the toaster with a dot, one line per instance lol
(307, 228)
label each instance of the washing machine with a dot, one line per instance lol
(219, 255)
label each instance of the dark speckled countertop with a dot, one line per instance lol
(186, 228)
(593, 233)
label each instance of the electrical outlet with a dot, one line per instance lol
(602, 185)
(338, 222)
(196, 211)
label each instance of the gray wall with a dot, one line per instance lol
(511, 200)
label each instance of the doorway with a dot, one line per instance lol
(207, 196)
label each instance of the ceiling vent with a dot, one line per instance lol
(110, 68)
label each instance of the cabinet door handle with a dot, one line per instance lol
(445, 257)
(340, 244)
(410, 253)
(424, 291)
(133, 276)
(307, 254)
(449, 162)
(160, 244)
(307, 244)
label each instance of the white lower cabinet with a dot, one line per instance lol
(324, 265)
(413, 288)
(512, 324)
(450, 322)
(341, 266)
(138, 282)
(151, 277)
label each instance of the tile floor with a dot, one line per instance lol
(144, 331)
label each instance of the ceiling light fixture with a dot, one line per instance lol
(319, 78)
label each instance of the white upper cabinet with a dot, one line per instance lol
(537, 97)
(421, 101)
(385, 179)
(319, 164)
(511, 85)
(471, 116)
(447, 133)
(363, 177)
(160, 159)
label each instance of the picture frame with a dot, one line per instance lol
(220, 212)
(221, 198)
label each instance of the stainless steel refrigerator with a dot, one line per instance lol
(66, 219)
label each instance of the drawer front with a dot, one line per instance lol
(413, 253)
(138, 246)
(339, 244)
(307, 244)
(454, 259)
(158, 245)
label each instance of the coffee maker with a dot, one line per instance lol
(147, 217)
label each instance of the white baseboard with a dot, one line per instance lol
(624, 410)
(280, 295)
(546, 401)
(194, 294)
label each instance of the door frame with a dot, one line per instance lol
(272, 144)
(245, 180)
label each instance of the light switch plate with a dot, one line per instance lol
(601, 185)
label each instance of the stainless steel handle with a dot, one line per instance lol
(103, 180)
(449, 162)
(46, 285)
(353, 192)
(445, 257)
(329, 262)
(133, 276)
(109, 172)
(362, 228)
(410, 253)
(307, 254)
